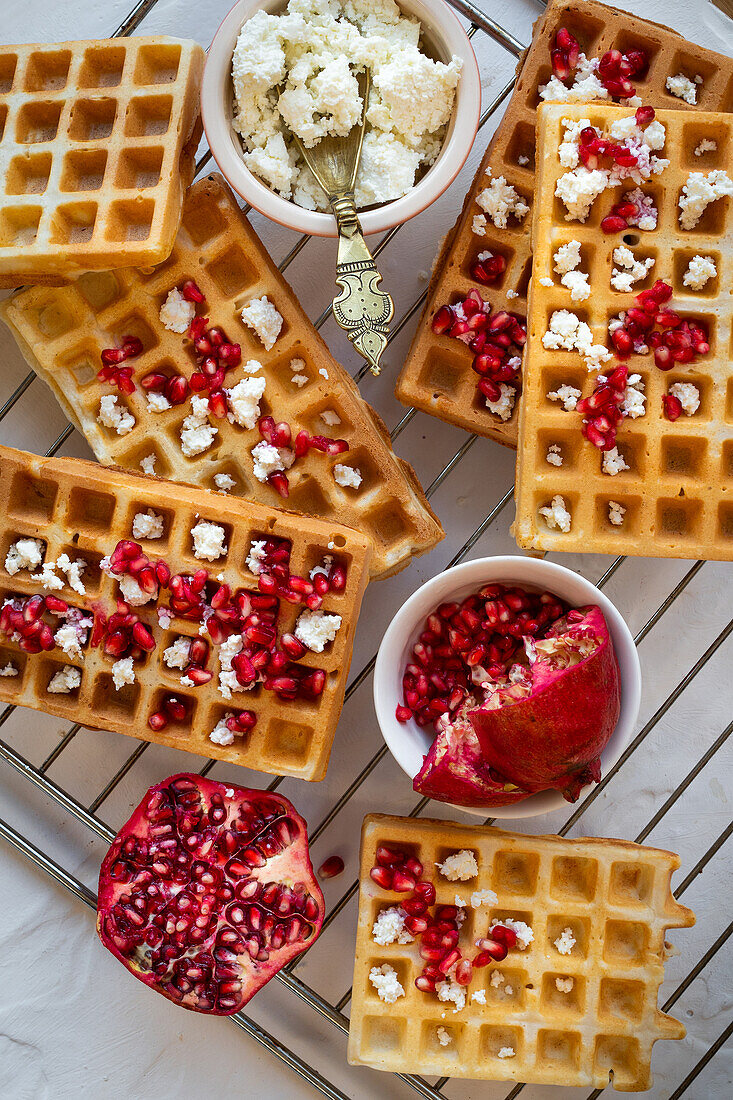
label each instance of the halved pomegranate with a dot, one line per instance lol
(546, 724)
(208, 891)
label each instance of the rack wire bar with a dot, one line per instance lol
(37, 777)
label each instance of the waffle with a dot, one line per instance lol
(676, 491)
(98, 144)
(614, 896)
(61, 332)
(437, 376)
(82, 509)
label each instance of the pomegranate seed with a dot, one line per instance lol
(331, 867)
(175, 708)
(403, 882)
(155, 381)
(176, 389)
(157, 721)
(497, 951)
(416, 924)
(191, 292)
(382, 876)
(671, 406)
(504, 935)
(426, 891)
(613, 223)
(464, 972)
(644, 115)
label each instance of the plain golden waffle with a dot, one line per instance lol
(437, 376)
(82, 509)
(677, 491)
(63, 331)
(97, 145)
(614, 897)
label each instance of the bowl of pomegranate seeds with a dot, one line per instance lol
(507, 686)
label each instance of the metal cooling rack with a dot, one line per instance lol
(334, 1013)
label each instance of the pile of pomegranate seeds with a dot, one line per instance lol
(275, 579)
(614, 68)
(497, 340)
(602, 410)
(21, 620)
(174, 710)
(681, 341)
(112, 372)
(207, 891)
(280, 435)
(123, 633)
(671, 406)
(593, 146)
(488, 271)
(564, 54)
(438, 934)
(484, 632)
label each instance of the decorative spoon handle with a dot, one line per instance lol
(361, 309)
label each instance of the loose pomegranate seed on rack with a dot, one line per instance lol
(331, 867)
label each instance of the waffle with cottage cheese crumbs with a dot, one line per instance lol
(181, 656)
(98, 145)
(574, 1001)
(349, 473)
(437, 377)
(661, 484)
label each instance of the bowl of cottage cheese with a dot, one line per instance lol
(287, 66)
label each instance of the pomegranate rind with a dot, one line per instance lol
(218, 827)
(553, 739)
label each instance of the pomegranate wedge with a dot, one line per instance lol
(208, 891)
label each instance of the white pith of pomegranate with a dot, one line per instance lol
(545, 726)
(208, 891)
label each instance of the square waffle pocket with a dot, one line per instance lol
(437, 377)
(614, 898)
(676, 479)
(81, 510)
(98, 144)
(62, 333)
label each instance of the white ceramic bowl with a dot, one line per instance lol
(444, 35)
(408, 743)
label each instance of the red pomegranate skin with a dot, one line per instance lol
(554, 737)
(454, 771)
(207, 891)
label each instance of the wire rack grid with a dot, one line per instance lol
(332, 1009)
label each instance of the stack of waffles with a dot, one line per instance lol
(97, 144)
(664, 488)
(63, 332)
(573, 1006)
(67, 512)
(437, 377)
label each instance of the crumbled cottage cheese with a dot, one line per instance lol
(567, 259)
(330, 417)
(197, 434)
(450, 990)
(385, 981)
(9, 670)
(267, 459)
(554, 454)
(579, 189)
(483, 897)
(324, 568)
(633, 404)
(616, 513)
(221, 734)
(707, 145)
(261, 316)
(557, 517)
(158, 403)
(148, 525)
(208, 541)
(176, 655)
(699, 191)
(565, 942)
(348, 477)
(684, 88)
(389, 927)
(506, 1052)
(585, 85)
(47, 577)
(479, 996)
(67, 679)
(546, 281)
(569, 332)
(132, 593)
(700, 269)
(613, 462)
(176, 313)
(504, 405)
(688, 396)
(444, 1037)
(525, 935)
(648, 215)
(567, 150)
(564, 985)
(633, 270)
(314, 50)
(115, 416)
(24, 554)
(244, 401)
(315, 629)
(299, 380)
(569, 395)
(123, 673)
(147, 465)
(500, 200)
(228, 681)
(224, 482)
(256, 557)
(460, 867)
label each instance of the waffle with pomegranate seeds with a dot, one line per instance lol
(279, 390)
(496, 262)
(99, 140)
(630, 452)
(174, 615)
(561, 987)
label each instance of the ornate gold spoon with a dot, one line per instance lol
(363, 311)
